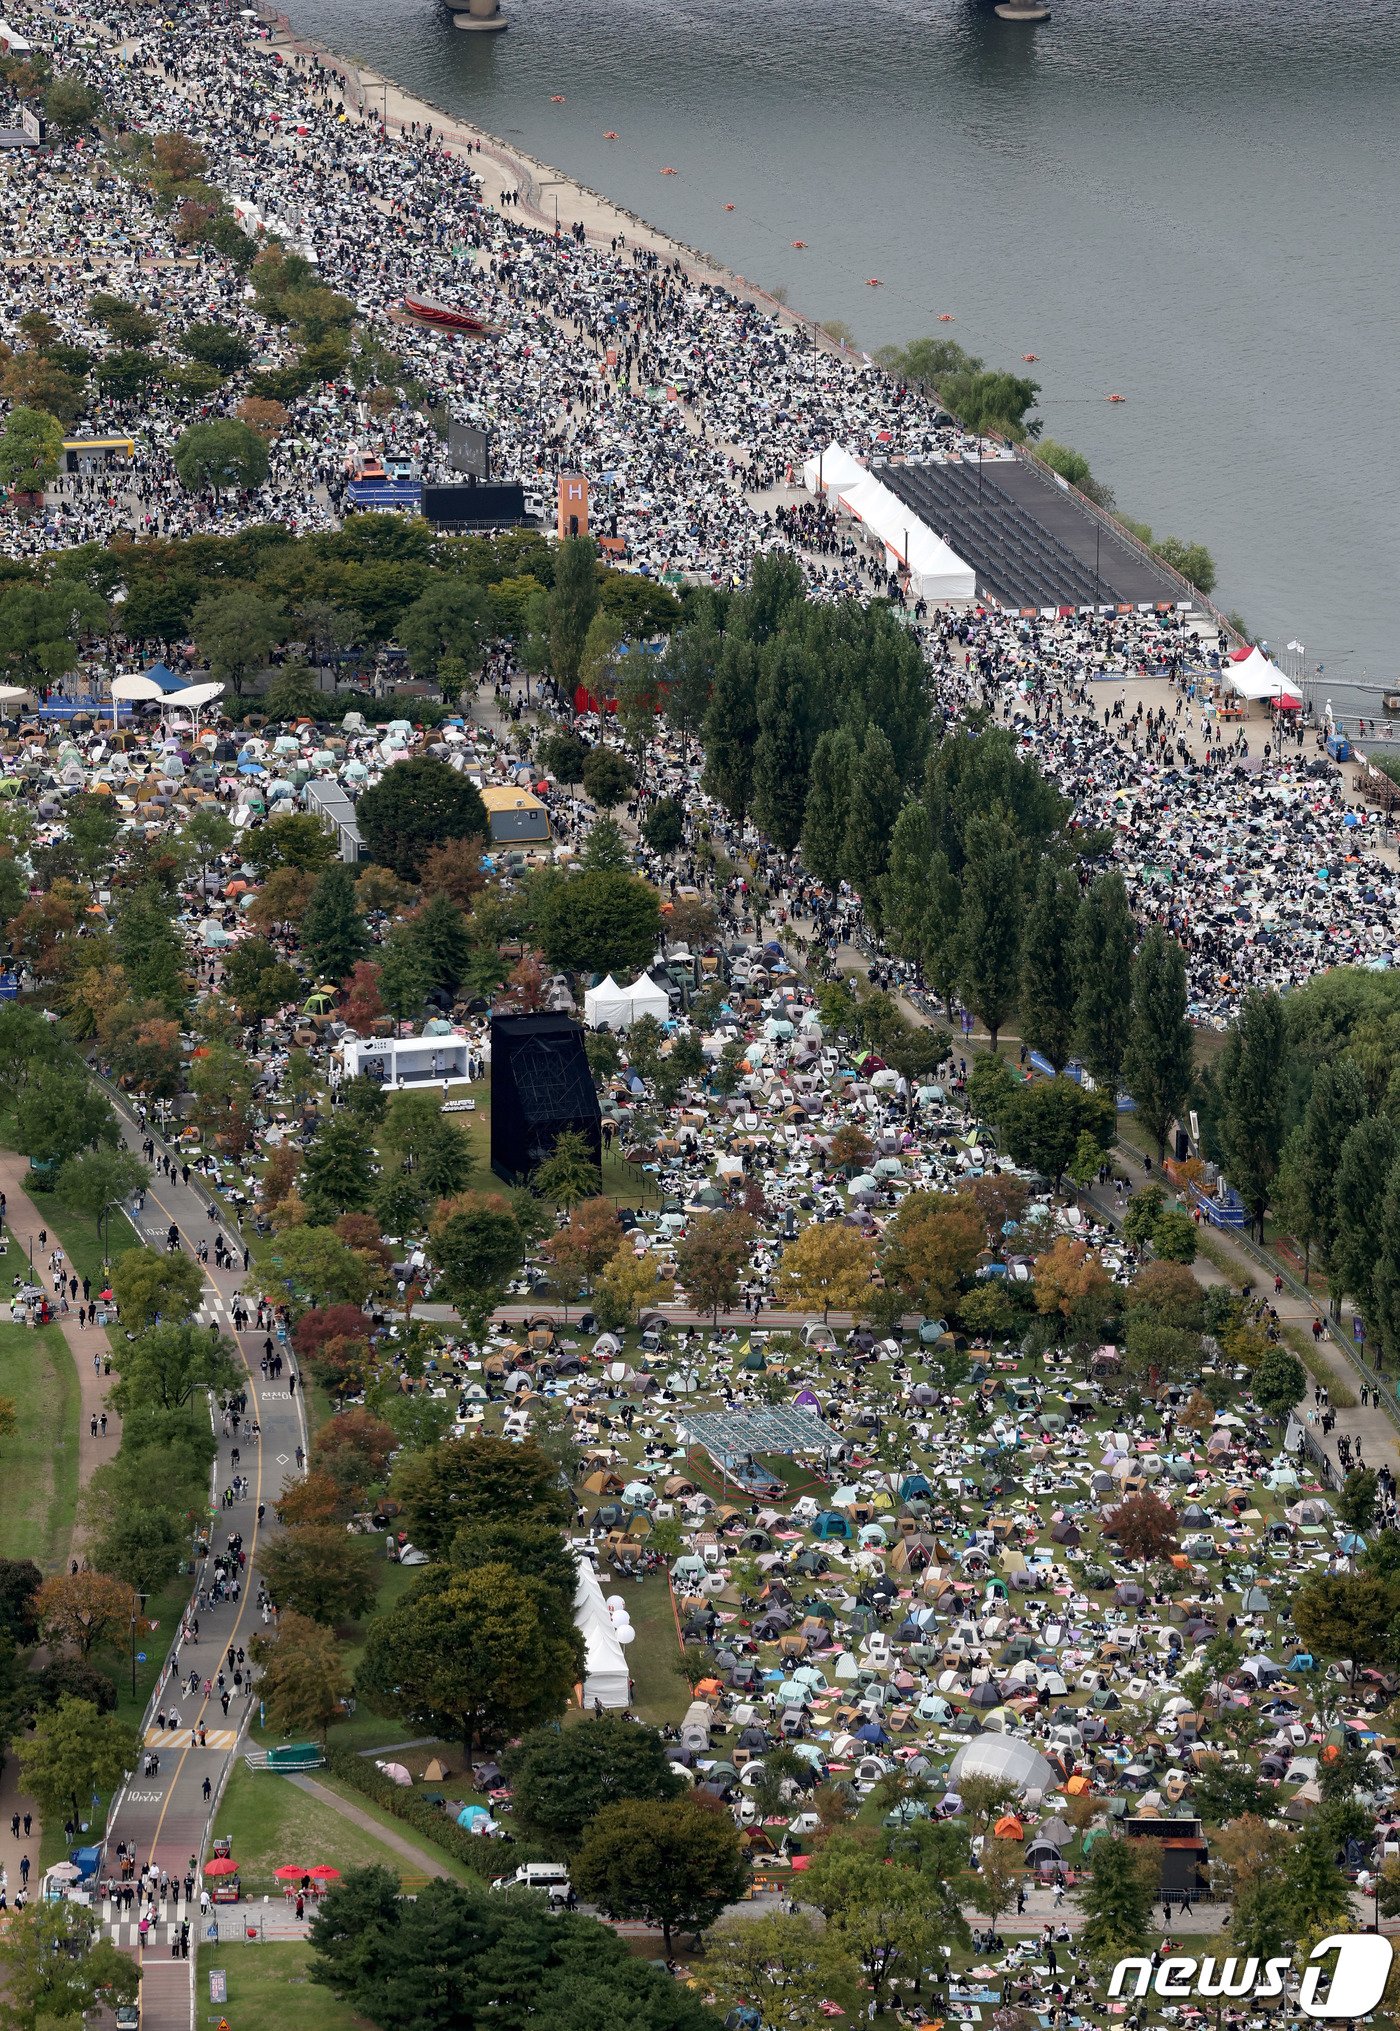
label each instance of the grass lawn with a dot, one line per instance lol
(39, 1488)
(659, 1693)
(260, 1983)
(271, 1822)
(458, 1871)
(77, 1232)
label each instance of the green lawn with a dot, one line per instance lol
(39, 1488)
(77, 1232)
(271, 1822)
(260, 1983)
(660, 1694)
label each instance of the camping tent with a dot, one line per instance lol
(604, 1663)
(1252, 675)
(619, 1007)
(935, 571)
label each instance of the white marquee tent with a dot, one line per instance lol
(1252, 675)
(619, 1007)
(936, 572)
(604, 1661)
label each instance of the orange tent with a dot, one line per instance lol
(1009, 1828)
(1077, 1786)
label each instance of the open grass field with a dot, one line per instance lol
(271, 1822)
(39, 1488)
(269, 1985)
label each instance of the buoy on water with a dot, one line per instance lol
(1115, 398)
(799, 243)
(729, 208)
(610, 135)
(557, 99)
(668, 172)
(873, 282)
(945, 317)
(1030, 358)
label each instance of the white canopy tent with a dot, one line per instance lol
(935, 570)
(604, 1661)
(1252, 675)
(619, 1007)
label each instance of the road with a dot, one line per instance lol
(166, 1817)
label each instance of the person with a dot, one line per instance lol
(208, 1789)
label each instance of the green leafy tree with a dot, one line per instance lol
(608, 778)
(573, 601)
(561, 1781)
(405, 976)
(731, 728)
(663, 828)
(74, 1753)
(597, 920)
(1116, 1897)
(989, 922)
(1047, 965)
(71, 106)
(906, 893)
(237, 632)
(1044, 1121)
(31, 449)
(1385, 1275)
(56, 1966)
(60, 1113)
(1336, 1105)
(445, 630)
(322, 1572)
(170, 1364)
(474, 1656)
(304, 1682)
(668, 1861)
(477, 1245)
(1157, 1056)
(339, 1170)
(150, 1286)
(1253, 1084)
(782, 756)
(568, 1174)
(416, 805)
(879, 1913)
(1174, 1236)
(316, 1267)
(1368, 1156)
(219, 455)
(782, 1966)
(1103, 950)
(1279, 1382)
(876, 795)
(483, 1480)
(333, 933)
(438, 932)
(99, 1180)
(1345, 1615)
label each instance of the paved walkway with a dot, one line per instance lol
(24, 1222)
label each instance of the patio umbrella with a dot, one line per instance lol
(222, 1865)
(324, 1873)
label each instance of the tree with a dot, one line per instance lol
(1174, 1236)
(316, 1268)
(731, 728)
(1157, 1055)
(259, 980)
(588, 1243)
(170, 1364)
(630, 1283)
(829, 1266)
(417, 805)
(1385, 1276)
(31, 449)
(444, 631)
(220, 454)
(1047, 965)
(354, 1448)
(1278, 1382)
(1143, 1526)
(1368, 1156)
(1345, 1615)
(1103, 950)
(779, 1966)
(333, 933)
(663, 828)
(475, 1656)
(1192, 560)
(568, 1174)
(1313, 1153)
(321, 1572)
(879, 1913)
(712, 1256)
(532, 1549)
(671, 1862)
(304, 1681)
(1356, 1499)
(876, 795)
(216, 345)
(1044, 1121)
(906, 894)
(607, 778)
(57, 1968)
(149, 1286)
(1253, 1083)
(989, 920)
(597, 920)
(70, 105)
(476, 1480)
(454, 870)
(60, 1113)
(826, 814)
(339, 1169)
(437, 931)
(573, 601)
(73, 1754)
(1000, 1873)
(477, 1245)
(78, 1679)
(935, 1242)
(560, 1782)
(99, 1180)
(237, 631)
(86, 1609)
(985, 1799)
(20, 1581)
(1117, 1897)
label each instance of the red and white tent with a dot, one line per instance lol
(1250, 673)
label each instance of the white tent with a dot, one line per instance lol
(935, 571)
(619, 1007)
(1250, 673)
(604, 1662)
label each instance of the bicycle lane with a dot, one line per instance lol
(166, 1818)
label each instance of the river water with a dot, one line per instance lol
(1192, 203)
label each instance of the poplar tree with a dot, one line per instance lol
(828, 805)
(874, 807)
(1368, 1157)
(906, 886)
(573, 601)
(1047, 965)
(1157, 1060)
(1103, 950)
(1253, 1083)
(783, 752)
(731, 728)
(1336, 1104)
(333, 932)
(1385, 1277)
(989, 930)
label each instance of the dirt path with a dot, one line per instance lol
(417, 1858)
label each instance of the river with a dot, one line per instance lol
(1188, 203)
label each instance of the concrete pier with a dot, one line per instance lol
(481, 16)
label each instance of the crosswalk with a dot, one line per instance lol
(187, 1738)
(124, 1930)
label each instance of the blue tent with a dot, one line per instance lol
(831, 1523)
(164, 676)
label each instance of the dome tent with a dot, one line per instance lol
(1005, 1759)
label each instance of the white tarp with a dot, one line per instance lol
(620, 1007)
(604, 1661)
(936, 572)
(1252, 675)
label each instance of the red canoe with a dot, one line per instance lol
(433, 312)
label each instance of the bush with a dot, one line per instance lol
(490, 1859)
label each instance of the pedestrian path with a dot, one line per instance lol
(189, 1738)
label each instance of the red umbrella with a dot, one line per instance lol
(290, 1872)
(323, 1873)
(222, 1865)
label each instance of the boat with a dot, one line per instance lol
(873, 282)
(1115, 398)
(611, 134)
(729, 208)
(1030, 358)
(945, 317)
(430, 311)
(1391, 702)
(799, 243)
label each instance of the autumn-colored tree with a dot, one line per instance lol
(1067, 1274)
(304, 1678)
(933, 1245)
(830, 1267)
(524, 988)
(583, 1248)
(268, 418)
(453, 870)
(1143, 1526)
(361, 1232)
(178, 158)
(712, 1257)
(315, 1499)
(364, 1005)
(85, 1609)
(354, 1449)
(281, 902)
(630, 1285)
(1000, 1198)
(279, 1177)
(36, 932)
(1169, 1292)
(851, 1148)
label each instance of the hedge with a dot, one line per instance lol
(489, 1858)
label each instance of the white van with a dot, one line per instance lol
(551, 1877)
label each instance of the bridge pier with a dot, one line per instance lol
(484, 16)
